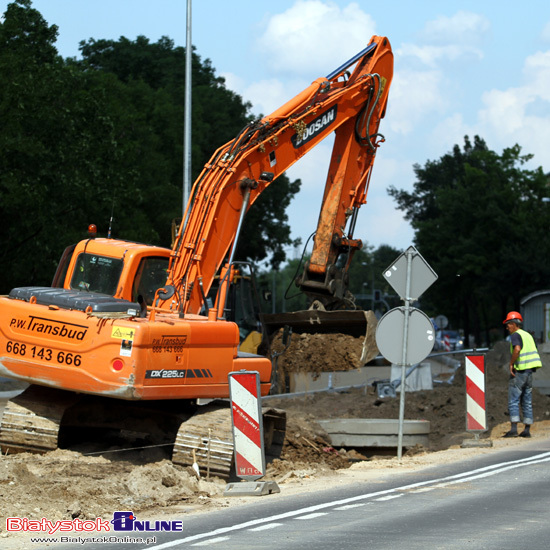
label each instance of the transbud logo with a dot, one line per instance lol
(122, 521)
(127, 521)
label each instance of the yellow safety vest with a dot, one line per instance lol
(529, 356)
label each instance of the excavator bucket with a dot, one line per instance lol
(356, 323)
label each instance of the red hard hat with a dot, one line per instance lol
(513, 316)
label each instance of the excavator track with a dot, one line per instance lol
(31, 420)
(207, 439)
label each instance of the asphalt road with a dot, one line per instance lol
(496, 501)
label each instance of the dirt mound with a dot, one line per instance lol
(319, 353)
(65, 484)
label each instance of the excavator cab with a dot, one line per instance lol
(121, 269)
(242, 306)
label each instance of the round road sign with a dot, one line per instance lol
(420, 337)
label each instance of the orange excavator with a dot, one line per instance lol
(128, 333)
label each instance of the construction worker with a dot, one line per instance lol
(524, 361)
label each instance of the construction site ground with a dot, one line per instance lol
(95, 479)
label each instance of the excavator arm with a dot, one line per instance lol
(350, 102)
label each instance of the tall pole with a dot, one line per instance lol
(407, 312)
(187, 115)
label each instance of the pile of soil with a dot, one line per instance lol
(70, 483)
(315, 353)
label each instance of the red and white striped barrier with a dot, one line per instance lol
(447, 342)
(476, 413)
(246, 416)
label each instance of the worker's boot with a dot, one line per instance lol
(526, 431)
(513, 430)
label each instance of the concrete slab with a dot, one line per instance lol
(470, 443)
(382, 432)
(306, 381)
(303, 382)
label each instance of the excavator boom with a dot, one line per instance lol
(350, 104)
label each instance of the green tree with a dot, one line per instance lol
(217, 116)
(58, 154)
(481, 222)
(87, 141)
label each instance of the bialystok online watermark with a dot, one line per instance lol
(122, 522)
(105, 539)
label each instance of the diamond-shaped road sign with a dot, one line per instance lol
(422, 276)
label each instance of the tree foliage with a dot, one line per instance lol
(88, 140)
(57, 148)
(481, 222)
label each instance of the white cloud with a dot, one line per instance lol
(269, 95)
(379, 222)
(432, 56)
(522, 114)
(461, 28)
(449, 39)
(234, 82)
(413, 96)
(450, 131)
(537, 74)
(265, 95)
(302, 39)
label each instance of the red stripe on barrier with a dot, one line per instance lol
(478, 361)
(247, 381)
(246, 425)
(244, 468)
(473, 424)
(476, 393)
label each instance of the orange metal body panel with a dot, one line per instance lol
(169, 358)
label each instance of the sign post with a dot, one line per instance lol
(410, 276)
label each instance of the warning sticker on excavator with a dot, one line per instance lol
(126, 348)
(123, 333)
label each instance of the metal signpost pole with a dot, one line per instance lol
(404, 355)
(187, 115)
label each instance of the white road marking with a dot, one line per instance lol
(266, 527)
(464, 477)
(211, 541)
(423, 490)
(312, 516)
(350, 506)
(389, 497)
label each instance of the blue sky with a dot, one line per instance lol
(461, 68)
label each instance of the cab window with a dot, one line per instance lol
(151, 275)
(95, 273)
